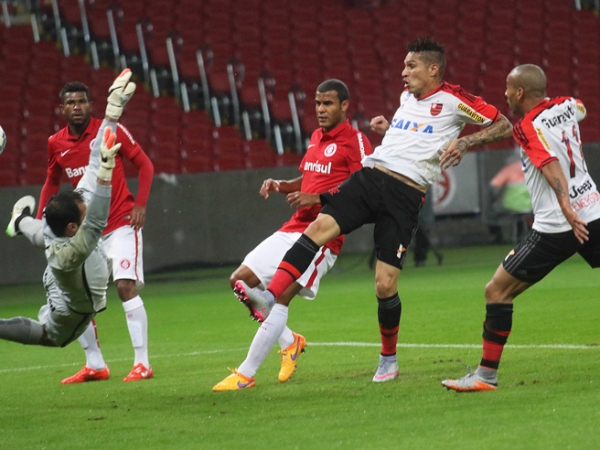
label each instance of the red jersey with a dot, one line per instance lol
(329, 160)
(69, 154)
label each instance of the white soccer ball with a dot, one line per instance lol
(2, 139)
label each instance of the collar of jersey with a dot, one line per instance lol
(430, 93)
(336, 131)
(71, 137)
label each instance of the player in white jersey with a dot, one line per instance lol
(389, 191)
(76, 277)
(565, 202)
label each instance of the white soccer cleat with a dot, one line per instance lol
(387, 370)
(25, 206)
(469, 383)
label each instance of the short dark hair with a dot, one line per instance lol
(430, 51)
(336, 85)
(61, 210)
(74, 86)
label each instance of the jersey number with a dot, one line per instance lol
(567, 142)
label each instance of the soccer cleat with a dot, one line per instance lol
(25, 206)
(252, 299)
(469, 383)
(387, 370)
(289, 357)
(88, 374)
(234, 382)
(139, 372)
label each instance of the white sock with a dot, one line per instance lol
(137, 322)
(286, 339)
(264, 339)
(89, 342)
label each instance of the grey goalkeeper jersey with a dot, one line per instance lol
(77, 272)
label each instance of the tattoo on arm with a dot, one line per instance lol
(558, 187)
(499, 130)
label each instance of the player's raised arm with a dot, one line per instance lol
(453, 154)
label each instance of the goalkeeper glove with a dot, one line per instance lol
(119, 94)
(108, 151)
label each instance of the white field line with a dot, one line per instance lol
(324, 344)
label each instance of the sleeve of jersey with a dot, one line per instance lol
(475, 110)
(580, 111)
(52, 183)
(526, 135)
(360, 148)
(132, 151)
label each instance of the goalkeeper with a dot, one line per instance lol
(76, 277)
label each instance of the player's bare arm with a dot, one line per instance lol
(301, 199)
(556, 179)
(453, 154)
(281, 186)
(379, 125)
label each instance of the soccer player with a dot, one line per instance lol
(68, 152)
(420, 141)
(334, 152)
(566, 207)
(76, 277)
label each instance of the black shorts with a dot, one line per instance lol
(372, 196)
(535, 257)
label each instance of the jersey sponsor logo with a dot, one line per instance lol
(127, 133)
(125, 264)
(560, 118)
(317, 167)
(471, 113)
(65, 152)
(590, 199)
(330, 150)
(581, 108)
(436, 109)
(577, 191)
(77, 172)
(542, 138)
(361, 145)
(411, 126)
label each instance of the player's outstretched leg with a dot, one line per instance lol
(234, 382)
(254, 299)
(387, 369)
(470, 383)
(289, 357)
(24, 207)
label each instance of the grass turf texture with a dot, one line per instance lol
(548, 396)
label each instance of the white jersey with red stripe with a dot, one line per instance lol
(423, 127)
(550, 132)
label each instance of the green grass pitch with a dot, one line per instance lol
(549, 380)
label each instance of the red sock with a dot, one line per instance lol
(389, 340)
(284, 276)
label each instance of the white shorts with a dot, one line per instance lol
(265, 259)
(124, 248)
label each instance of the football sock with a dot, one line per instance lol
(264, 339)
(286, 339)
(294, 263)
(496, 329)
(89, 342)
(388, 312)
(137, 322)
(21, 329)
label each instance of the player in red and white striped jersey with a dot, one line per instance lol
(565, 202)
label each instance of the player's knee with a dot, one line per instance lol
(126, 289)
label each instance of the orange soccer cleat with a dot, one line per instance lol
(139, 372)
(88, 374)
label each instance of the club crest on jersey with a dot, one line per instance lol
(125, 264)
(436, 109)
(330, 150)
